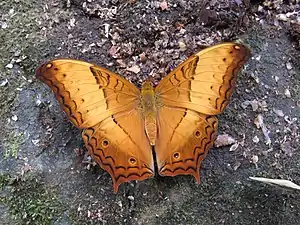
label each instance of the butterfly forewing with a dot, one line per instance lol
(205, 81)
(87, 93)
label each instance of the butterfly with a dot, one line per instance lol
(121, 124)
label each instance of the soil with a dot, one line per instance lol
(45, 177)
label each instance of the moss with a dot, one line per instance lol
(11, 145)
(18, 41)
(5, 179)
(30, 201)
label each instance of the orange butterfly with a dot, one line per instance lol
(121, 122)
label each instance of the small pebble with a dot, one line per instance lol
(9, 66)
(288, 65)
(14, 118)
(287, 93)
(131, 198)
(278, 112)
(255, 139)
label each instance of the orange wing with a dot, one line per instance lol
(189, 97)
(120, 146)
(108, 107)
(205, 81)
(87, 93)
(184, 138)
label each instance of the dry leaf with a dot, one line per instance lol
(163, 5)
(135, 69)
(224, 140)
(278, 112)
(143, 57)
(234, 147)
(182, 46)
(113, 50)
(259, 122)
(280, 182)
(236, 165)
(121, 63)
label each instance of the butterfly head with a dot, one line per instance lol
(147, 86)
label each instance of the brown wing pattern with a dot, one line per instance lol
(184, 138)
(120, 146)
(87, 93)
(205, 81)
(108, 107)
(189, 97)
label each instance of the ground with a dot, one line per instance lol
(44, 179)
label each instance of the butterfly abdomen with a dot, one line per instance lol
(149, 111)
(151, 129)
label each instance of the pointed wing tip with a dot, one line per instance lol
(38, 72)
(43, 71)
(245, 50)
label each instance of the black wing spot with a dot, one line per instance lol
(82, 100)
(176, 155)
(105, 143)
(231, 52)
(64, 75)
(211, 87)
(198, 134)
(132, 160)
(224, 59)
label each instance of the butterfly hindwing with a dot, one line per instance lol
(120, 146)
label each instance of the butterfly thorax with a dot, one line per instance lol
(148, 107)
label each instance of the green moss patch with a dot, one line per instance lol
(30, 201)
